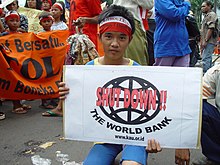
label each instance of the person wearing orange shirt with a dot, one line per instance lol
(85, 16)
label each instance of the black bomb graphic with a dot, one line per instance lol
(130, 100)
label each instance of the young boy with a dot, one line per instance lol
(116, 29)
(23, 19)
(46, 20)
(12, 19)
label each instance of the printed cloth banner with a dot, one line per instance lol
(131, 104)
(33, 20)
(31, 67)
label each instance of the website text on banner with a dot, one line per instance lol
(31, 65)
(120, 104)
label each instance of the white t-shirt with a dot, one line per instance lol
(59, 26)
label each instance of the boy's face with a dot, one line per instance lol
(45, 5)
(114, 44)
(46, 24)
(13, 24)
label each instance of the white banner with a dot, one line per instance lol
(129, 105)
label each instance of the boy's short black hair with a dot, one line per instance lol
(115, 10)
(44, 14)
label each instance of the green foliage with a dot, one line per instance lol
(196, 9)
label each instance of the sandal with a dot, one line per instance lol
(19, 110)
(26, 107)
(51, 114)
(2, 116)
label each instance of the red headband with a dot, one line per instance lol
(115, 24)
(11, 16)
(58, 5)
(46, 18)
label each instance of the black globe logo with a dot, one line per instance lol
(130, 115)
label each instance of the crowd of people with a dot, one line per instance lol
(124, 42)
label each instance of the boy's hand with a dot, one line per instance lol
(80, 22)
(63, 90)
(182, 156)
(153, 146)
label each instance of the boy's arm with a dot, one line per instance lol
(209, 82)
(80, 22)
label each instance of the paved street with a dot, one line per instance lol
(22, 134)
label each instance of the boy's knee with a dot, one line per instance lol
(127, 162)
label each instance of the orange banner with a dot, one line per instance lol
(31, 65)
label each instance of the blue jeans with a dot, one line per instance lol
(210, 139)
(207, 57)
(105, 154)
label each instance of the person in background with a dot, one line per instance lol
(33, 4)
(67, 11)
(137, 49)
(58, 13)
(23, 19)
(1, 24)
(150, 35)
(85, 16)
(116, 29)
(46, 5)
(46, 20)
(209, 35)
(171, 44)
(210, 137)
(2, 114)
(2, 12)
(194, 38)
(67, 4)
(12, 19)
